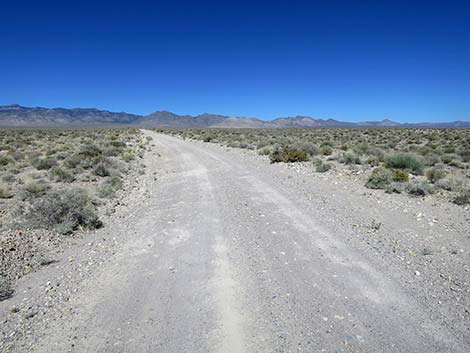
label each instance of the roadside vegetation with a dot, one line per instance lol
(54, 182)
(414, 161)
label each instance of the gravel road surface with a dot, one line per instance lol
(216, 256)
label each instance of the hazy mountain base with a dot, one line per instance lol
(18, 116)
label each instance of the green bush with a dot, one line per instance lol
(43, 163)
(465, 154)
(287, 155)
(64, 211)
(380, 178)
(400, 176)
(62, 175)
(322, 167)
(73, 161)
(447, 158)
(361, 148)
(350, 158)
(89, 151)
(406, 161)
(4, 160)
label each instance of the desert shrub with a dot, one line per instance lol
(15, 170)
(117, 144)
(264, 151)
(350, 158)
(62, 175)
(377, 154)
(5, 160)
(5, 192)
(109, 186)
(379, 178)
(395, 188)
(400, 176)
(33, 189)
(447, 158)
(419, 188)
(326, 150)
(465, 154)
(373, 161)
(43, 163)
(309, 148)
(72, 161)
(434, 174)
(90, 162)
(457, 164)
(361, 148)
(432, 159)
(8, 176)
(406, 161)
(287, 155)
(112, 151)
(61, 155)
(102, 169)
(64, 211)
(449, 149)
(451, 183)
(128, 156)
(322, 167)
(243, 145)
(424, 150)
(90, 150)
(463, 197)
(445, 184)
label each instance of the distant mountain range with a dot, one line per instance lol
(19, 116)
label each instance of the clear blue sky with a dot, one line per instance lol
(349, 60)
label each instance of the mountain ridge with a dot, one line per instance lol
(15, 115)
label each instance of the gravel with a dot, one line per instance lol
(216, 249)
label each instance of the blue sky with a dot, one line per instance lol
(348, 60)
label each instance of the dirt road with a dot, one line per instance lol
(220, 258)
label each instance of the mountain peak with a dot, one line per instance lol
(388, 121)
(11, 106)
(19, 116)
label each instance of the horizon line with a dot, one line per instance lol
(399, 121)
